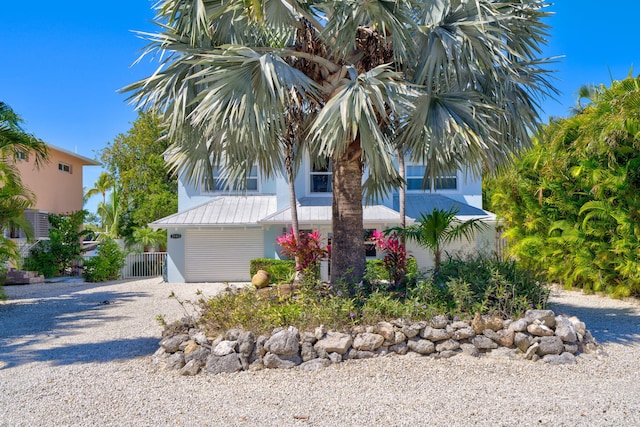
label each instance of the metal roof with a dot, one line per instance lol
(317, 210)
(223, 210)
(261, 209)
(417, 204)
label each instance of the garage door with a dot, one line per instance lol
(222, 255)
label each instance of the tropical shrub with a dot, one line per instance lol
(308, 247)
(570, 205)
(107, 263)
(56, 256)
(395, 256)
(461, 288)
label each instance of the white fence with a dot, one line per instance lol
(145, 264)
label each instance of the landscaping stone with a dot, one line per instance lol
(224, 347)
(275, 361)
(368, 341)
(448, 345)
(307, 352)
(545, 317)
(470, 350)
(219, 364)
(191, 346)
(530, 338)
(191, 368)
(519, 325)
(284, 343)
(421, 346)
(550, 345)
(439, 322)
(334, 342)
(201, 355)
(463, 333)
(433, 334)
(172, 344)
(175, 361)
(565, 330)
(540, 330)
(522, 341)
(480, 323)
(386, 330)
(483, 343)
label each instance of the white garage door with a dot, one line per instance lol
(222, 255)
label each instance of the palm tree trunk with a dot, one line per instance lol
(293, 205)
(347, 247)
(402, 193)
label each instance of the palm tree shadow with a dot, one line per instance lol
(607, 325)
(99, 352)
(36, 330)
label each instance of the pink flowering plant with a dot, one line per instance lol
(395, 255)
(308, 247)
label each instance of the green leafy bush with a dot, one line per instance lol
(106, 265)
(570, 204)
(461, 288)
(281, 270)
(466, 286)
(56, 256)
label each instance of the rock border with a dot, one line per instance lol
(539, 335)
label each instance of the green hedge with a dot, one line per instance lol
(283, 270)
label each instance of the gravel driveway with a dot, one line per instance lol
(77, 354)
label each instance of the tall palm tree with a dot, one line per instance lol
(111, 212)
(437, 229)
(101, 186)
(461, 78)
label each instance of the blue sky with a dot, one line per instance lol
(63, 62)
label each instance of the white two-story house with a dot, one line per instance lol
(215, 235)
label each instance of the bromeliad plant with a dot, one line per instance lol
(395, 256)
(307, 247)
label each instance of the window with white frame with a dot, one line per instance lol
(320, 178)
(220, 182)
(64, 167)
(416, 182)
(22, 156)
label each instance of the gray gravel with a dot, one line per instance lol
(76, 354)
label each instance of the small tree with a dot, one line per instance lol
(106, 265)
(54, 256)
(439, 228)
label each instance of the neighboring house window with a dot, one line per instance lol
(369, 243)
(415, 178)
(64, 167)
(22, 156)
(321, 179)
(14, 232)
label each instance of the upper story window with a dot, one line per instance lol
(64, 167)
(220, 182)
(415, 180)
(22, 156)
(320, 178)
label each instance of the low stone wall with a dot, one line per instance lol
(539, 335)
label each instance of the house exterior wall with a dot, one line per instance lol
(468, 191)
(57, 191)
(176, 255)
